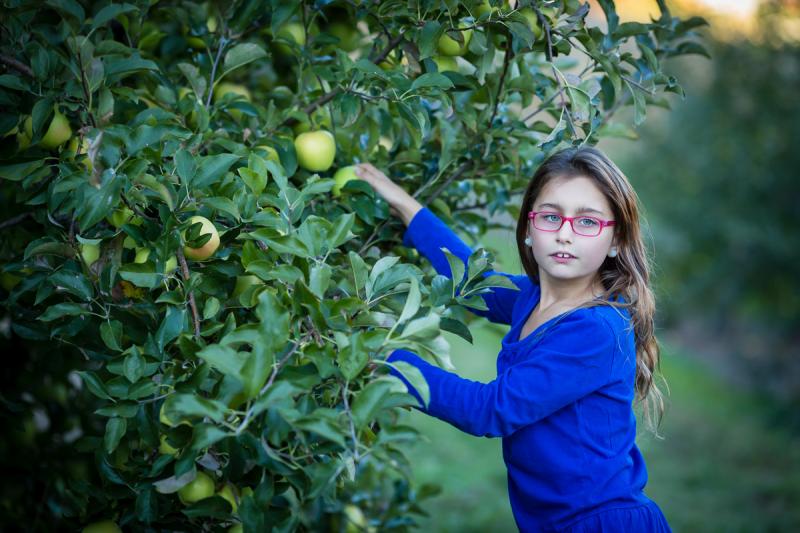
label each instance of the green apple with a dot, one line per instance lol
(444, 63)
(232, 88)
(243, 283)
(120, 216)
(82, 148)
(348, 36)
(450, 47)
(533, 21)
(293, 32)
(104, 526)
(171, 264)
(90, 253)
(23, 140)
(199, 488)
(143, 254)
(208, 249)
(272, 154)
(386, 142)
(230, 493)
(356, 521)
(8, 281)
(165, 448)
(316, 150)
(485, 7)
(389, 62)
(58, 132)
(196, 43)
(342, 176)
(183, 91)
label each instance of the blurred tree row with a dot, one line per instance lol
(718, 178)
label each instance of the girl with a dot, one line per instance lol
(581, 344)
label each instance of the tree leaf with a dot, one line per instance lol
(94, 384)
(257, 369)
(204, 435)
(371, 399)
(224, 359)
(240, 55)
(173, 484)
(115, 430)
(354, 357)
(425, 327)
(416, 378)
(187, 405)
(185, 165)
(211, 168)
(61, 310)
(432, 79)
(111, 12)
(412, 302)
(133, 365)
(73, 282)
(274, 319)
(171, 326)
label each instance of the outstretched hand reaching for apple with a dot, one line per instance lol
(401, 203)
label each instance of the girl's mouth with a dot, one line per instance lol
(562, 258)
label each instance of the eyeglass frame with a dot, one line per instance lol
(603, 223)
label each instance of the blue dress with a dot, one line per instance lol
(561, 402)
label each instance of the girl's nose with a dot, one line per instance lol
(565, 233)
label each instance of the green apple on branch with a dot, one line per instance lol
(316, 150)
(206, 250)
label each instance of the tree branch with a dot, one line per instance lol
(14, 220)
(454, 176)
(327, 97)
(192, 303)
(222, 42)
(16, 65)
(506, 61)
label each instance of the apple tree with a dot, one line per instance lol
(199, 298)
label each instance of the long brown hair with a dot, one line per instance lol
(626, 275)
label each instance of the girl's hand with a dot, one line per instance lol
(400, 202)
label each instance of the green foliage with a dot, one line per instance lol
(282, 390)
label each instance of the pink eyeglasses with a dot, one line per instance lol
(551, 221)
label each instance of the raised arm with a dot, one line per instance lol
(428, 234)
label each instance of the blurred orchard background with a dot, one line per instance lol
(718, 181)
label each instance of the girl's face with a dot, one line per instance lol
(571, 197)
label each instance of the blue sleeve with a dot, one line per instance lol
(428, 233)
(573, 360)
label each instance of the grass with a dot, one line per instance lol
(720, 467)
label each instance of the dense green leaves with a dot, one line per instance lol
(262, 364)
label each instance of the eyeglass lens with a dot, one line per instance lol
(587, 226)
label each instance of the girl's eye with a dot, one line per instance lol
(552, 218)
(587, 222)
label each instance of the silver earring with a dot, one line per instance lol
(528, 241)
(612, 253)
